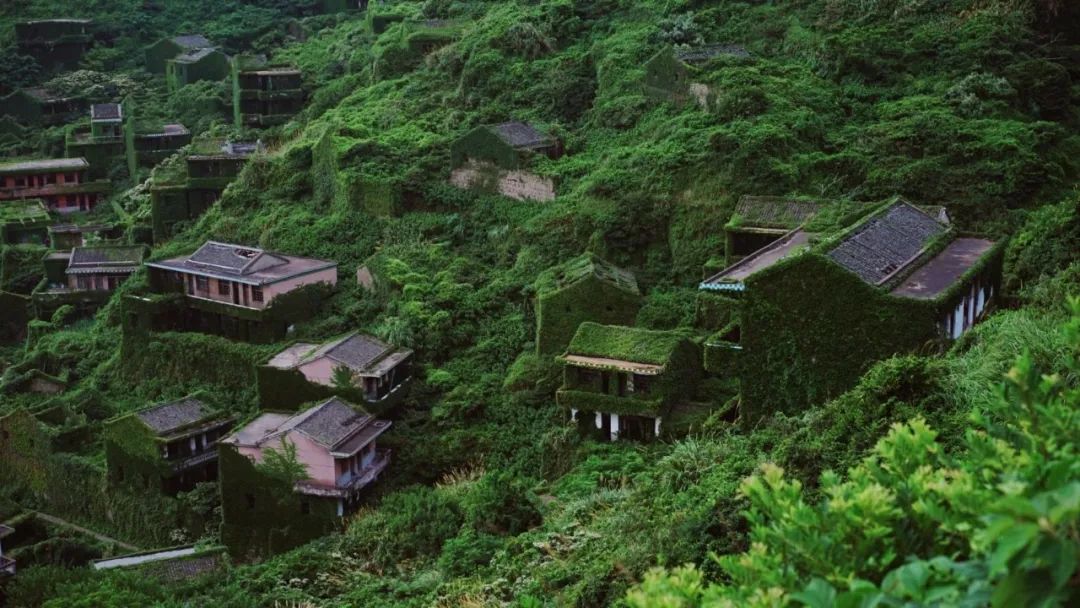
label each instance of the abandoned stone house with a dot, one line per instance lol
(54, 43)
(890, 283)
(40, 106)
(497, 159)
(210, 166)
(159, 53)
(24, 222)
(758, 221)
(169, 447)
(265, 95)
(149, 145)
(194, 65)
(509, 145)
(239, 276)
(585, 288)
(236, 291)
(107, 120)
(102, 267)
(102, 142)
(378, 371)
(63, 183)
(671, 71)
(622, 382)
(337, 447)
(84, 277)
(68, 236)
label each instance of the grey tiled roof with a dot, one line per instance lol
(331, 422)
(235, 258)
(887, 242)
(50, 164)
(709, 51)
(107, 255)
(194, 55)
(522, 135)
(356, 351)
(242, 263)
(168, 417)
(192, 41)
(105, 111)
(774, 211)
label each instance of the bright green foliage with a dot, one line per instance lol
(968, 104)
(994, 523)
(625, 343)
(586, 288)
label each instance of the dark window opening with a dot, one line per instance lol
(250, 498)
(257, 294)
(305, 507)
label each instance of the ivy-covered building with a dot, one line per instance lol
(24, 222)
(63, 183)
(69, 236)
(233, 290)
(40, 106)
(265, 95)
(159, 53)
(147, 146)
(90, 276)
(623, 381)
(376, 372)
(54, 43)
(815, 311)
(194, 65)
(187, 191)
(327, 456)
(669, 74)
(102, 143)
(509, 145)
(169, 447)
(758, 221)
(585, 288)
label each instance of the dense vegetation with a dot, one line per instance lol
(925, 483)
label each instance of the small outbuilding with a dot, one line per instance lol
(159, 53)
(623, 381)
(585, 288)
(169, 447)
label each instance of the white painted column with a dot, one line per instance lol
(341, 507)
(958, 320)
(656, 426)
(614, 427)
(980, 302)
(573, 415)
(599, 420)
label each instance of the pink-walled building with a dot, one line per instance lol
(335, 443)
(378, 370)
(63, 183)
(241, 276)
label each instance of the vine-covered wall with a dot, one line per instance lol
(132, 455)
(810, 329)
(263, 515)
(482, 144)
(560, 312)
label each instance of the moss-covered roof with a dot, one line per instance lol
(23, 212)
(582, 267)
(624, 343)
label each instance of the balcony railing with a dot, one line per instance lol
(189, 462)
(348, 485)
(7, 566)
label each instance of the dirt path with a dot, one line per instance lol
(86, 531)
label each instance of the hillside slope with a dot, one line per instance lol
(494, 499)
